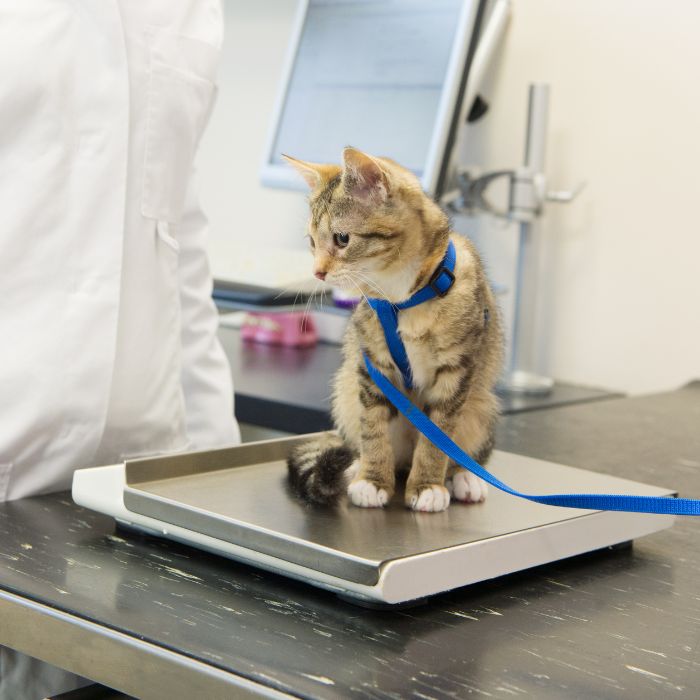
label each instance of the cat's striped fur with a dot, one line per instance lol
(374, 231)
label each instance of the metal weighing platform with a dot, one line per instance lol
(236, 502)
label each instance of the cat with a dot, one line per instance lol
(373, 231)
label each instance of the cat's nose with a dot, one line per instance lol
(321, 274)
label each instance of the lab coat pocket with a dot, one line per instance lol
(163, 232)
(168, 256)
(5, 473)
(180, 97)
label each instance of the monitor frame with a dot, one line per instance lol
(449, 117)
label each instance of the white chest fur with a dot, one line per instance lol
(417, 327)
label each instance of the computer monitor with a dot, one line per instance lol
(384, 76)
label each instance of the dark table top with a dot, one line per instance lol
(607, 625)
(289, 388)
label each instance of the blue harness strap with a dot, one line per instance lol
(439, 285)
(388, 313)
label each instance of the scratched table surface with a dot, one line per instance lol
(619, 624)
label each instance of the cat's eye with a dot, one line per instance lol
(312, 243)
(341, 239)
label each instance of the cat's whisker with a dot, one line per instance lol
(289, 290)
(296, 296)
(347, 273)
(354, 276)
(283, 290)
(307, 306)
(371, 283)
(364, 276)
(374, 285)
(312, 299)
(345, 278)
(319, 301)
(353, 282)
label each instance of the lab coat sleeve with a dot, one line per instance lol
(206, 375)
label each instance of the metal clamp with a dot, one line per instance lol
(526, 197)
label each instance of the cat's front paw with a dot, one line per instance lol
(367, 494)
(467, 487)
(428, 499)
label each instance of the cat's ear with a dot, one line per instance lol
(363, 176)
(315, 174)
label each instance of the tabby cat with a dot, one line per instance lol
(373, 231)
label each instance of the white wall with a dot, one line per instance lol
(620, 283)
(240, 210)
(622, 291)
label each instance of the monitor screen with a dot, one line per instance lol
(380, 75)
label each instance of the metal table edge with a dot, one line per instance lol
(78, 644)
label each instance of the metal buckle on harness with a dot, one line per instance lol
(433, 281)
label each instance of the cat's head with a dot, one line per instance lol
(371, 229)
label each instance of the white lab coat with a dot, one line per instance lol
(108, 342)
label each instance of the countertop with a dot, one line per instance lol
(615, 624)
(289, 388)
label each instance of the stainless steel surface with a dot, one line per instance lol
(145, 470)
(121, 661)
(240, 496)
(95, 691)
(256, 433)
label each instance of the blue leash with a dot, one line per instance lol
(589, 501)
(439, 285)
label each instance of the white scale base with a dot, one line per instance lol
(235, 502)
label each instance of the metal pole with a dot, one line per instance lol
(521, 377)
(537, 118)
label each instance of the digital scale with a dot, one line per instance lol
(236, 502)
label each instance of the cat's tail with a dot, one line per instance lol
(319, 470)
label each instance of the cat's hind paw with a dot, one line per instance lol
(365, 494)
(467, 487)
(429, 499)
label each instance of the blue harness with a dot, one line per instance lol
(439, 285)
(388, 314)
